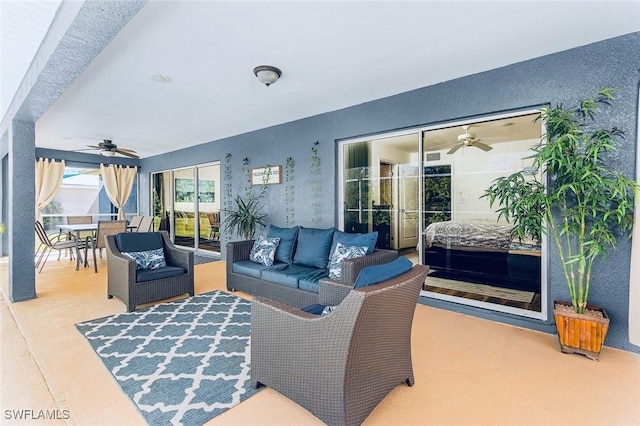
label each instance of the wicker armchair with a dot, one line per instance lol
(122, 274)
(341, 365)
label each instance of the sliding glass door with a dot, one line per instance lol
(422, 190)
(186, 203)
(380, 190)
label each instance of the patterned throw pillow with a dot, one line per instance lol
(341, 253)
(264, 250)
(150, 259)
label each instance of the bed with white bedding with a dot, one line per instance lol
(482, 251)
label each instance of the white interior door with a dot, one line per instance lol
(407, 205)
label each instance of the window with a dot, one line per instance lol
(82, 193)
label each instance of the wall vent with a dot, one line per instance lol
(434, 156)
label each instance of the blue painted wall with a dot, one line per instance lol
(559, 78)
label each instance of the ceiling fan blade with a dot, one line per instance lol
(126, 149)
(128, 154)
(454, 149)
(482, 146)
(94, 147)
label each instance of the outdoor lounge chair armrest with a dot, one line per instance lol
(238, 250)
(178, 257)
(264, 306)
(332, 292)
(352, 267)
(123, 261)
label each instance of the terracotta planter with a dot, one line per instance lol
(581, 333)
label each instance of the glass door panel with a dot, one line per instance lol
(161, 197)
(184, 208)
(408, 212)
(473, 258)
(209, 207)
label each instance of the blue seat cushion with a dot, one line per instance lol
(367, 240)
(253, 269)
(138, 241)
(311, 281)
(315, 309)
(289, 275)
(313, 247)
(143, 275)
(318, 309)
(378, 273)
(284, 251)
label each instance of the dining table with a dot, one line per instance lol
(76, 229)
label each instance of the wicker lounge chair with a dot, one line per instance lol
(341, 365)
(126, 282)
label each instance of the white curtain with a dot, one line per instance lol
(49, 174)
(118, 181)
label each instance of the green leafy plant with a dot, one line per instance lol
(245, 218)
(289, 191)
(228, 186)
(2, 228)
(314, 170)
(584, 205)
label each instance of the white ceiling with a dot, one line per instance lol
(333, 54)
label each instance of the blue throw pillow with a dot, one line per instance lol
(264, 250)
(367, 240)
(284, 252)
(378, 273)
(148, 259)
(313, 247)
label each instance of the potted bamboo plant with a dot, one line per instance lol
(583, 206)
(245, 218)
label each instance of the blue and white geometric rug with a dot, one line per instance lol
(182, 362)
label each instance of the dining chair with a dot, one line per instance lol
(50, 243)
(105, 227)
(81, 220)
(134, 223)
(145, 224)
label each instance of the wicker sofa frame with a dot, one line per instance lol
(341, 365)
(239, 250)
(121, 275)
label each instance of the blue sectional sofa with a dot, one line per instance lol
(300, 272)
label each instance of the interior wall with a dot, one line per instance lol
(559, 78)
(475, 170)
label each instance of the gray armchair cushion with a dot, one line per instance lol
(138, 241)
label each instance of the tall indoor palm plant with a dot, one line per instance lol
(245, 218)
(584, 203)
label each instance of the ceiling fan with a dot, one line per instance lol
(109, 149)
(468, 139)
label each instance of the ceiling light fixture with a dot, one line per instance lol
(107, 153)
(161, 78)
(267, 74)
